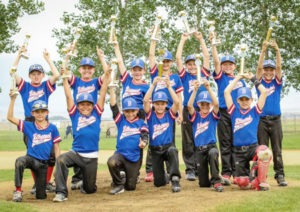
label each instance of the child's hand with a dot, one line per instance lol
(205, 83)
(142, 144)
(198, 35)
(167, 81)
(100, 52)
(22, 50)
(13, 95)
(248, 75)
(46, 55)
(179, 119)
(185, 36)
(265, 45)
(274, 45)
(211, 36)
(196, 85)
(156, 80)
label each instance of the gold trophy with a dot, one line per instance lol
(243, 49)
(215, 41)
(161, 53)
(155, 33)
(198, 64)
(25, 44)
(112, 34)
(72, 50)
(13, 86)
(114, 67)
(273, 20)
(182, 15)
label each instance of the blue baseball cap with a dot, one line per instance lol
(190, 57)
(204, 97)
(160, 96)
(269, 64)
(167, 55)
(137, 63)
(86, 61)
(85, 97)
(244, 92)
(36, 67)
(39, 105)
(227, 58)
(129, 103)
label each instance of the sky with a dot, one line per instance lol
(40, 28)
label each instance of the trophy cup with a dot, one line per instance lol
(25, 44)
(215, 41)
(198, 64)
(161, 53)
(155, 32)
(182, 15)
(114, 67)
(13, 86)
(112, 33)
(243, 49)
(272, 24)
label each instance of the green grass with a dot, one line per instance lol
(6, 206)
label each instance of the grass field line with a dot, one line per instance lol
(7, 158)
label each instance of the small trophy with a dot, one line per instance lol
(243, 49)
(161, 53)
(25, 44)
(215, 41)
(13, 86)
(114, 67)
(182, 15)
(155, 32)
(112, 33)
(72, 50)
(272, 24)
(198, 64)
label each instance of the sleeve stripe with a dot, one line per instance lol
(173, 116)
(72, 110)
(57, 139)
(231, 109)
(99, 109)
(205, 71)
(21, 126)
(21, 85)
(124, 76)
(100, 81)
(148, 115)
(153, 70)
(118, 118)
(144, 129)
(279, 82)
(178, 90)
(72, 81)
(258, 110)
(50, 87)
(218, 76)
(215, 115)
(192, 119)
(182, 73)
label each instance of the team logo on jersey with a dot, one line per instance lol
(87, 89)
(270, 90)
(159, 129)
(84, 121)
(161, 85)
(238, 85)
(131, 92)
(241, 123)
(201, 127)
(40, 139)
(127, 131)
(34, 95)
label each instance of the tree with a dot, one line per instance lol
(10, 13)
(236, 21)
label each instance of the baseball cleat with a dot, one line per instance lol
(175, 184)
(17, 196)
(117, 189)
(60, 198)
(281, 181)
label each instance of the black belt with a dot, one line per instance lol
(204, 147)
(270, 117)
(244, 148)
(160, 148)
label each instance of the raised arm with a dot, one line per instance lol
(229, 88)
(214, 52)
(176, 101)
(10, 112)
(179, 62)
(199, 36)
(152, 53)
(259, 70)
(263, 91)
(191, 101)
(54, 71)
(16, 63)
(119, 58)
(214, 99)
(274, 45)
(148, 95)
(103, 90)
(69, 98)
(101, 57)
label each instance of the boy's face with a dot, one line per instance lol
(85, 108)
(228, 67)
(86, 72)
(245, 103)
(268, 73)
(40, 115)
(137, 73)
(160, 107)
(191, 66)
(167, 64)
(36, 77)
(130, 115)
(204, 107)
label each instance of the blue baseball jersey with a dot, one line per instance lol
(30, 93)
(40, 141)
(86, 130)
(223, 81)
(244, 125)
(131, 89)
(161, 128)
(80, 86)
(272, 105)
(129, 134)
(204, 128)
(161, 86)
(187, 80)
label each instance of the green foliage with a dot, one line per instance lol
(9, 174)
(10, 13)
(13, 207)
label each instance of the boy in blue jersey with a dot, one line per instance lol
(161, 132)
(223, 76)
(132, 137)
(245, 121)
(42, 138)
(188, 75)
(204, 125)
(270, 128)
(86, 118)
(34, 90)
